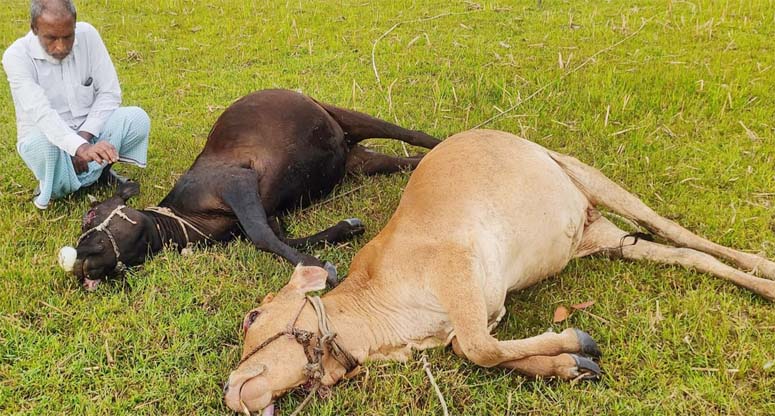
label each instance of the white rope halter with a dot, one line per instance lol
(103, 226)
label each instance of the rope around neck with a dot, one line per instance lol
(328, 337)
(182, 222)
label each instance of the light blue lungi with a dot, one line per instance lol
(126, 129)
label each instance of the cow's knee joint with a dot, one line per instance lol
(484, 353)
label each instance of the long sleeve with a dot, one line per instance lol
(30, 99)
(106, 87)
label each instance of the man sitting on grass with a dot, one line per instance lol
(70, 128)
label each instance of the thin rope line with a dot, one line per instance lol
(103, 227)
(182, 222)
(427, 368)
(306, 399)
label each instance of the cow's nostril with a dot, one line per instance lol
(226, 387)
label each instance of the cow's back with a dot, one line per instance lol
(294, 145)
(274, 121)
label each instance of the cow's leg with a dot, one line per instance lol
(344, 230)
(603, 191)
(364, 161)
(358, 126)
(277, 226)
(251, 215)
(565, 366)
(602, 236)
(461, 298)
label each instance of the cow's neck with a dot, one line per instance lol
(371, 325)
(169, 230)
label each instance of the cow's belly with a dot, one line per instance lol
(301, 181)
(532, 251)
(504, 199)
(532, 235)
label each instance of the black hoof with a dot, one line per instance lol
(110, 177)
(588, 345)
(333, 279)
(587, 369)
(355, 227)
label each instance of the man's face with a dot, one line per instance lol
(56, 33)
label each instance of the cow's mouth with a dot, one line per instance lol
(91, 285)
(269, 410)
(83, 270)
(246, 401)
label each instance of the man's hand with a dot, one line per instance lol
(100, 152)
(80, 164)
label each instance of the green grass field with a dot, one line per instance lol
(681, 112)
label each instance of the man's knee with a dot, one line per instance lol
(141, 124)
(127, 126)
(138, 120)
(139, 115)
(133, 118)
(36, 151)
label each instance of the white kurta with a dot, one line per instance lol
(60, 98)
(54, 100)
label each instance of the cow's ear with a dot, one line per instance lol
(308, 278)
(88, 219)
(127, 190)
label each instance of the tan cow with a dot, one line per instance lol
(485, 213)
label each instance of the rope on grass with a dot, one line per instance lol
(306, 400)
(565, 75)
(427, 368)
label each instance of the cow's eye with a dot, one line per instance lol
(252, 317)
(249, 319)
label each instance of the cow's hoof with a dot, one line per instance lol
(333, 279)
(586, 369)
(356, 227)
(588, 345)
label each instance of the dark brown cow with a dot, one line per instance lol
(269, 152)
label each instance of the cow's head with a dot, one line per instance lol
(113, 235)
(268, 372)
